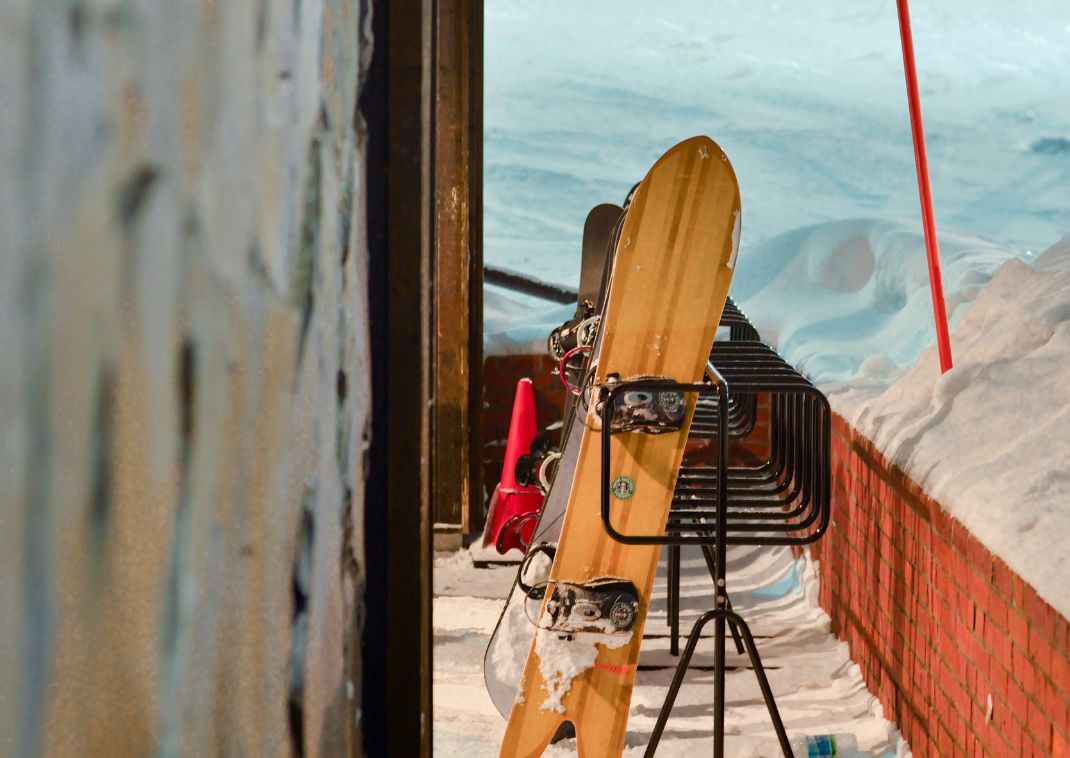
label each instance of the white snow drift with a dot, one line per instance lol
(990, 439)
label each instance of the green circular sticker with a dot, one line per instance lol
(623, 487)
(622, 614)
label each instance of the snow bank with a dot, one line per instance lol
(851, 300)
(990, 439)
(849, 304)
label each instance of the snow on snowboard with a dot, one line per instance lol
(504, 658)
(670, 275)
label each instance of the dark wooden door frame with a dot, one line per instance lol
(457, 310)
(475, 289)
(396, 111)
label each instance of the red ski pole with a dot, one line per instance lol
(943, 339)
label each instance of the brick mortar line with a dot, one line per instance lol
(849, 613)
(933, 646)
(883, 473)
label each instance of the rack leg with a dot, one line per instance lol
(668, 587)
(711, 564)
(718, 697)
(674, 599)
(763, 684)
(724, 618)
(735, 632)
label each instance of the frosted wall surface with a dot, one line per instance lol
(183, 376)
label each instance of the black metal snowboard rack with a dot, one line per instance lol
(781, 500)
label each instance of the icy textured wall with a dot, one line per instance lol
(183, 376)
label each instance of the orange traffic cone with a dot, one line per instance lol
(513, 509)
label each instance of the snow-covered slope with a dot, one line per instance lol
(806, 98)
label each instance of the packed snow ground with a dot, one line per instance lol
(817, 688)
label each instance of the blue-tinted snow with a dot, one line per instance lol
(806, 98)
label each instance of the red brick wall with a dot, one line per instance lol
(936, 621)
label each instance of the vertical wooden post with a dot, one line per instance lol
(475, 272)
(397, 107)
(457, 270)
(424, 347)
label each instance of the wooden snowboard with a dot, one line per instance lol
(597, 231)
(671, 273)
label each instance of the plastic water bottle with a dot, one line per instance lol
(825, 746)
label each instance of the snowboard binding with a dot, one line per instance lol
(516, 532)
(607, 605)
(577, 332)
(572, 344)
(647, 411)
(538, 468)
